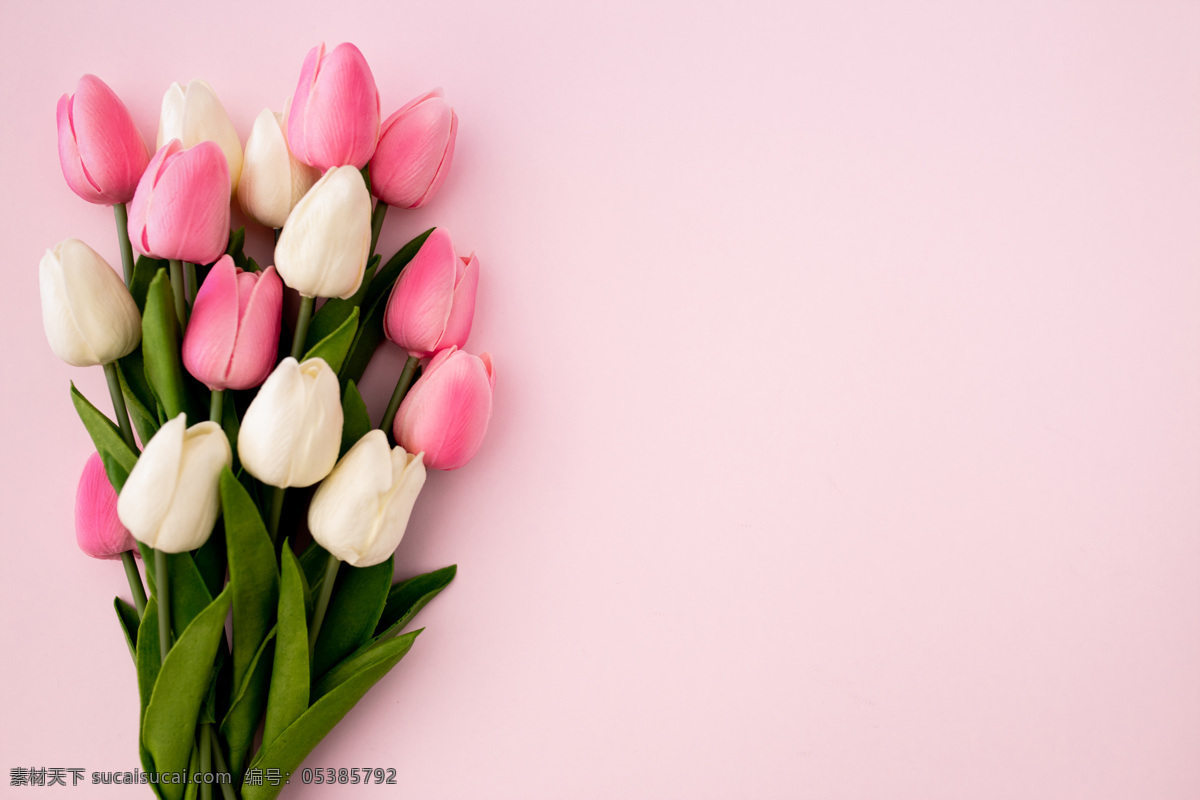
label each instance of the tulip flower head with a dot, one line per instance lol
(89, 316)
(231, 339)
(273, 179)
(433, 303)
(292, 431)
(194, 114)
(98, 529)
(334, 116)
(181, 207)
(324, 246)
(359, 513)
(446, 413)
(99, 147)
(416, 147)
(171, 499)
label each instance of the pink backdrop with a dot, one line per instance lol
(847, 435)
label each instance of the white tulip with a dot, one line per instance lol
(273, 180)
(292, 430)
(323, 249)
(194, 114)
(360, 511)
(171, 499)
(89, 316)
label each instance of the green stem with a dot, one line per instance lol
(205, 760)
(302, 320)
(276, 511)
(377, 224)
(162, 584)
(135, 582)
(219, 757)
(368, 274)
(331, 571)
(192, 285)
(179, 289)
(217, 405)
(118, 400)
(406, 378)
(122, 216)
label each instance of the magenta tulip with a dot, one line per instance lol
(334, 118)
(233, 336)
(416, 146)
(99, 147)
(97, 529)
(433, 303)
(181, 207)
(446, 413)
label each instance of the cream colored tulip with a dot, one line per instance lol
(273, 180)
(360, 511)
(323, 249)
(194, 114)
(171, 500)
(292, 431)
(89, 316)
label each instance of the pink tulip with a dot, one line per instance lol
(446, 413)
(334, 118)
(181, 207)
(99, 147)
(97, 529)
(433, 303)
(416, 146)
(233, 336)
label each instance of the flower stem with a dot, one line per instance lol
(205, 761)
(276, 511)
(302, 320)
(217, 405)
(219, 758)
(377, 224)
(162, 583)
(331, 571)
(135, 582)
(406, 378)
(118, 400)
(178, 288)
(122, 216)
(192, 286)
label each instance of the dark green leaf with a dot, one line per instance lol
(356, 421)
(358, 601)
(144, 270)
(232, 426)
(252, 574)
(210, 560)
(138, 396)
(128, 617)
(160, 347)
(235, 248)
(290, 673)
(328, 319)
(117, 456)
(189, 594)
(313, 561)
(148, 665)
(333, 348)
(249, 701)
(169, 726)
(364, 658)
(408, 597)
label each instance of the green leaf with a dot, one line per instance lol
(358, 601)
(328, 319)
(128, 617)
(287, 752)
(252, 574)
(408, 597)
(144, 270)
(117, 456)
(169, 726)
(189, 593)
(313, 561)
(160, 347)
(210, 560)
(232, 426)
(249, 701)
(333, 348)
(370, 329)
(148, 666)
(356, 421)
(235, 248)
(138, 396)
(290, 673)
(365, 657)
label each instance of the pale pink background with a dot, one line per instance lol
(847, 431)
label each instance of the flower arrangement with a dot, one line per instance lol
(234, 413)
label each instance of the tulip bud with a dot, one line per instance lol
(433, 303)
(194, 114)
(334, 118)
(360, 511)
(181, 207)
(233, 336)
(273, 179)
(98, 530)
(99, 147)
(326, 240)
(171, 499)
(416, 146)
(89, 316)
(292, 430)
(446, 412)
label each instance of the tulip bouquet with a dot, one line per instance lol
(238, 416)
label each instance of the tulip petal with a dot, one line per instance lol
(208, 343)
(189, 216)
(107, 144)
(446, 412)
(258, 327)
(150, 489)
(272, 424)
(421, 301)
(462, 311)
(189, 520)
(296, 117)
(98, 529)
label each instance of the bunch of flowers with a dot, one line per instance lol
(235, 415)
